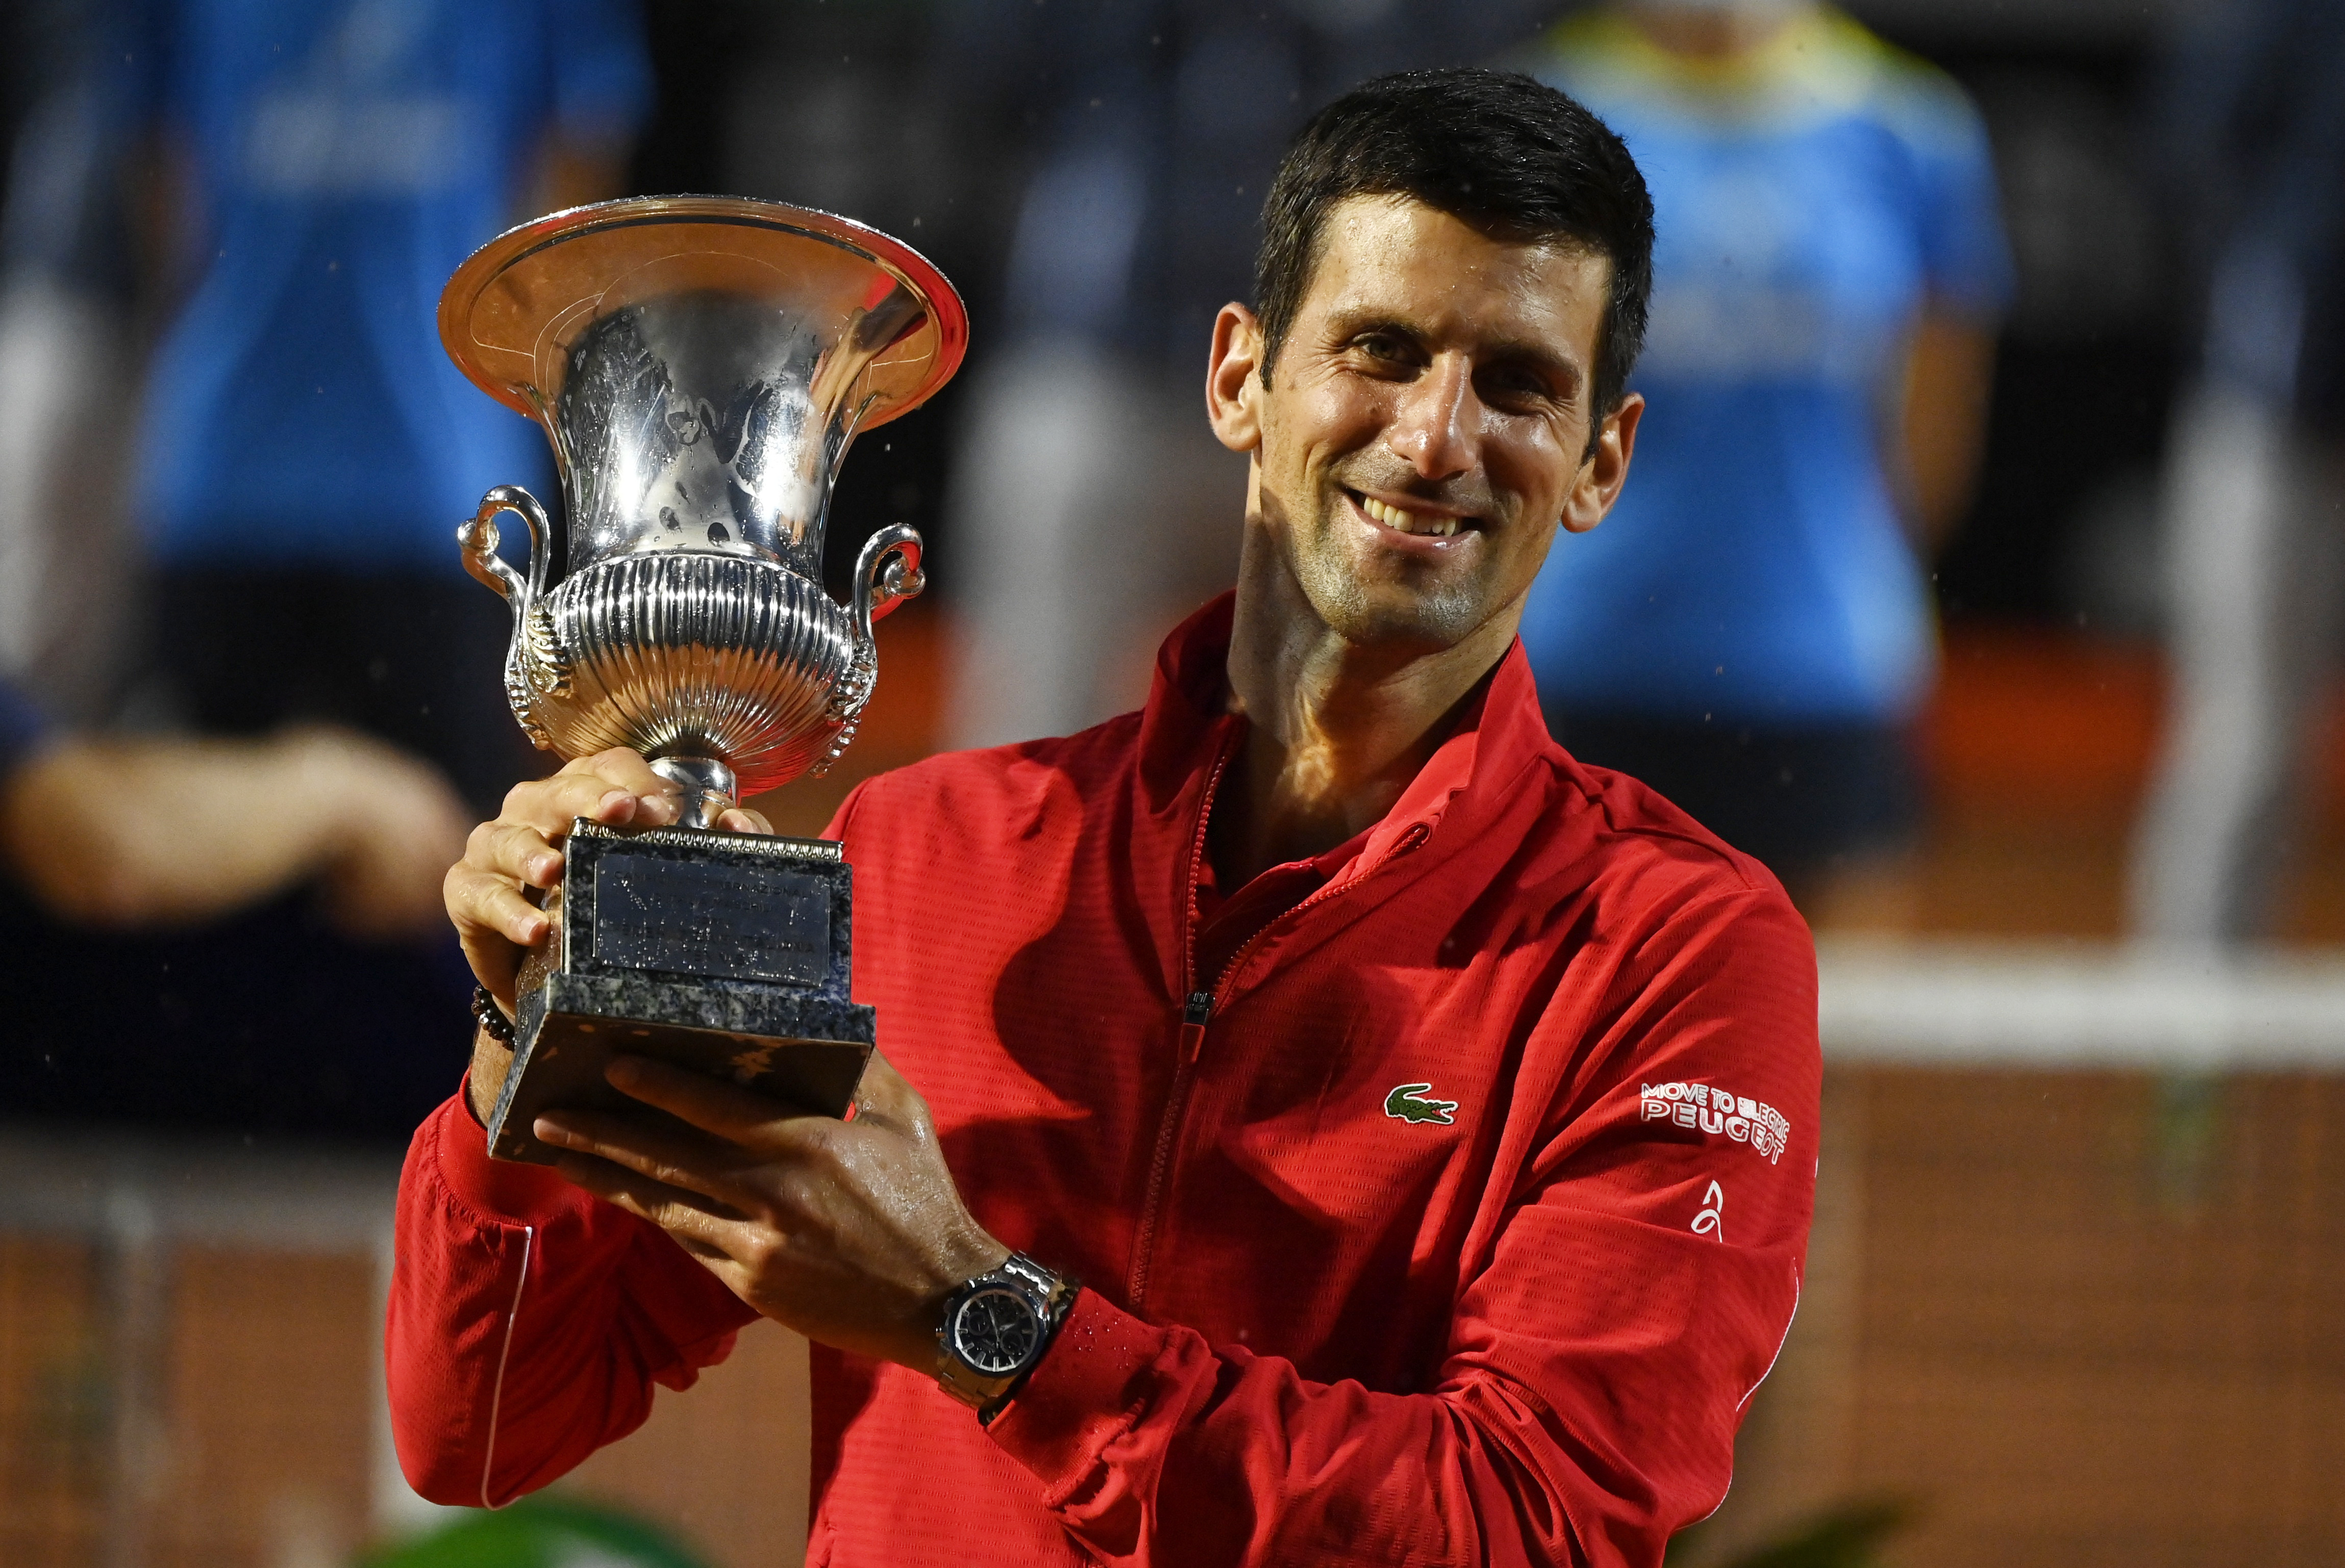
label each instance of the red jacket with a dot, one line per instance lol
(1457, 1227)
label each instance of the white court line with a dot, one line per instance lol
(2080, 1004)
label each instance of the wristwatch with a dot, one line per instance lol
(996, 1328)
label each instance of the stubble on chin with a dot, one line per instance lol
(1421, 617)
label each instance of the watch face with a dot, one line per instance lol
(996, 1331)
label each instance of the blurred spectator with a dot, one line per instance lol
(166, 960)
(1750, 630)
(67, 568)
(2253, 138)
(308, 448)
(317, 169)
(1089, 505)
(121, 833)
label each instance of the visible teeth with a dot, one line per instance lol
(1394, 517)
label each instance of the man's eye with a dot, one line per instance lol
(1376, 346)
(1517, 387)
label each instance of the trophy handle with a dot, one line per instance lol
(478, 538)
(887, 574)
(530, 667)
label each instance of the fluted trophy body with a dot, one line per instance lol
(701, 365)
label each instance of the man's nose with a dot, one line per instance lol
(1435, 426)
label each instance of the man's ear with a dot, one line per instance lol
(1600, 477)
(1233, 389)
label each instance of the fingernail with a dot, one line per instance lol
(622, 1071)
(661, 807)
(611, 800)
(549, 1131)
(544, 866)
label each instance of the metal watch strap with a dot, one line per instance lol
(1051, 1295)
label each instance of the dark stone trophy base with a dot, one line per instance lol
(725, 952)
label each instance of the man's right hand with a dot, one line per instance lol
(488, 891)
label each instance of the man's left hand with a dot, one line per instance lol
(851, 1232)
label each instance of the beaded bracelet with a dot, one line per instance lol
(492, 1016)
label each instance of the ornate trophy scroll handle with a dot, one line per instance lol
(887, 572)
(478, 538)
(533, 664)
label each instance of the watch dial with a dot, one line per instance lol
(995, 1331)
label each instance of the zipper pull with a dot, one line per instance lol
(1193, 1014)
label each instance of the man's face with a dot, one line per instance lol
(1426, 425)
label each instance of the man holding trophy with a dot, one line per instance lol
(1346, 1127)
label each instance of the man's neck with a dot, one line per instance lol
(1336, 729)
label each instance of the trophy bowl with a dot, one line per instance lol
(700, 365)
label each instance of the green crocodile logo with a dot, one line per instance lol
(1401, 1105)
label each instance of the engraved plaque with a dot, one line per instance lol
(695, 917)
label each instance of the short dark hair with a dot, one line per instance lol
(1510, 155)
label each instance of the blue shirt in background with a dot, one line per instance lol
(1809, 203)
(345, 155)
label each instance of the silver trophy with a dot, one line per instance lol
(701, 365)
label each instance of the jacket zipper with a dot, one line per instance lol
(1196, 1011)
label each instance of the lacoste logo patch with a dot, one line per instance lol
(1403, 1105)
(1709, 1109)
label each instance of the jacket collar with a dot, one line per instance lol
(1186, 729)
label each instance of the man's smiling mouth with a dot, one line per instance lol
(1427, 524)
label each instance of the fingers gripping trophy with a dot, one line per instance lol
(701, 365)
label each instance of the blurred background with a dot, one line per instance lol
(1991, 487)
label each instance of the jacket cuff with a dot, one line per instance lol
(1092, 1385)
(496, 1189)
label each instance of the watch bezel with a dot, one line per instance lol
(967, 1347)
(1044, 1298)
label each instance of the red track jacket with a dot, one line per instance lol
(1454, 1218)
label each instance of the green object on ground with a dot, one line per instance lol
(540, 1532)
(1846, 1536)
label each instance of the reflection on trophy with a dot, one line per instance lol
(700, 365)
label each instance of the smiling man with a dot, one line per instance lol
(1346, 1128)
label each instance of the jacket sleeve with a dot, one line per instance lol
(1604, 1336)
(528, 1321)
